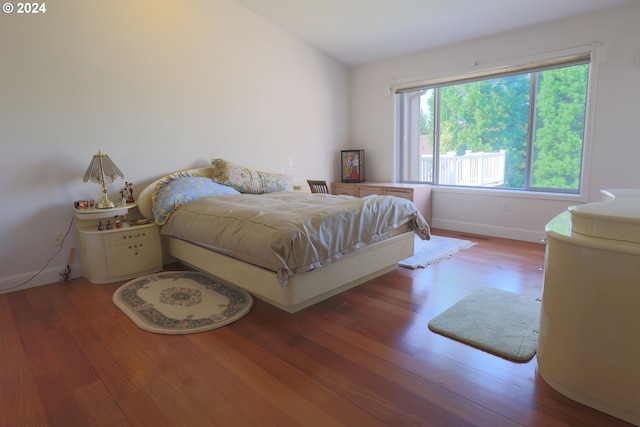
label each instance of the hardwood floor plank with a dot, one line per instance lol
(382, 366)
(325, 368)
(277, 383)
(20, 402)
(56, 359)
(257, 344)
(99, 407)
(153, 387)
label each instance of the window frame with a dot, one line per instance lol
(592, 54)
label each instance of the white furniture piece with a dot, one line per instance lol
(589, 342)
(302, 290)
(419, 194)
(116, 254)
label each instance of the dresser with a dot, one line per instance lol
(589, 342)
(419, 194)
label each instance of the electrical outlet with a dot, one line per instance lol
(57, 239)
(505, 205)
(290, 161)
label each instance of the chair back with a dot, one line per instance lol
(318, 186)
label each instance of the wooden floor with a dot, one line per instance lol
(69, 357)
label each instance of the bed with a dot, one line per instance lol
(289, 274)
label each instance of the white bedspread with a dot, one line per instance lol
(291, 232)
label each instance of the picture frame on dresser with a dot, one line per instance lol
(352, 165)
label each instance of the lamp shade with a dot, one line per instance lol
(102, 169)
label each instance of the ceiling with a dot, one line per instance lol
(359, 31)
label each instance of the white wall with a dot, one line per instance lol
(616, 145)
(160, 86)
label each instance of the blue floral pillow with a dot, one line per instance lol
(182, 188)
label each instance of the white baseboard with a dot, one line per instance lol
(34, 278)
(490, 230)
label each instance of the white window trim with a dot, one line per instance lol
(598, 55)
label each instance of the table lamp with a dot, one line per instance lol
(103, 171)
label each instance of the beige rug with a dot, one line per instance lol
(499, 322)
(428, 252)
(181, 302)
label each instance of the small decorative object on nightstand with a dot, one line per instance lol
(115, 254)
(127, 193)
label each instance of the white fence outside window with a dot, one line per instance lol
(471, 169)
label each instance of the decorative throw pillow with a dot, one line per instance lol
(181, 188)
(247, 180)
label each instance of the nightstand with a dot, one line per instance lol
(117, 253)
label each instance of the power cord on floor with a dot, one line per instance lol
(13, 288)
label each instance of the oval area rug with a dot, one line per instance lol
(181, 302)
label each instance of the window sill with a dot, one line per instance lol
(509, 193)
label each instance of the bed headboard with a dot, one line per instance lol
(145, 205)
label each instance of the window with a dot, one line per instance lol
(517, 127)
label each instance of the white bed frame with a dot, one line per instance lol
(302, 290)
